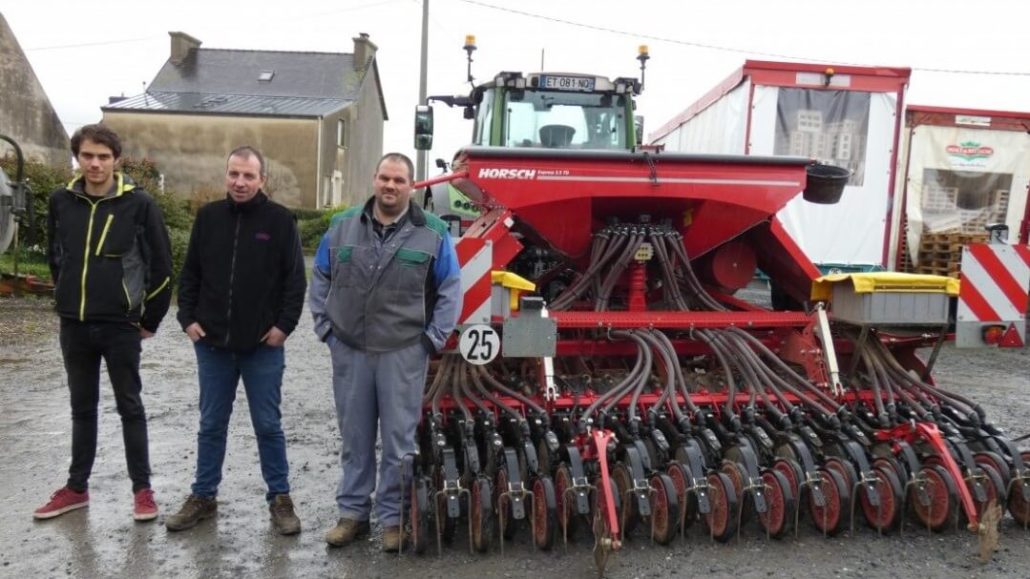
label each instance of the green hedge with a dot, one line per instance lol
(313, 225)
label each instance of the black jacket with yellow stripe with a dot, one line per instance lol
(110, 255)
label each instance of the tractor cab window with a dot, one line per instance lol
(564, 120)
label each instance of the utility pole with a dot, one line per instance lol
(420, 161)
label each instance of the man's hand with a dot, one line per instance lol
(145, 333)
(274, 338)
(195, 332)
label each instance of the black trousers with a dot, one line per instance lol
(118, 343)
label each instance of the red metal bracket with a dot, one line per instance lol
(601, 438)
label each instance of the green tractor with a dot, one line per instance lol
(545, 110)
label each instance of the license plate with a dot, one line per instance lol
(567, 83)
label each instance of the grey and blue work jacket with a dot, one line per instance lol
(380, 293)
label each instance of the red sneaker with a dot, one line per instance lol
(144, 508)
(62, 501)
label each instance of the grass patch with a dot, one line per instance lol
(29, 263)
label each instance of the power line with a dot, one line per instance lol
(718, 47)
(84, 44)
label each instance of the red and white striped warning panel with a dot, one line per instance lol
(993, 297)
(475, 257)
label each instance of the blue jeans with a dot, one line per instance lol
(220, 372)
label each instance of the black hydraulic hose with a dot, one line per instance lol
(676, 243)
(435, 390)
(669, 389)
(498, 385)
(478, 383)
(457, 392)
(748, 377)
(874, 382)
(618, 389)
(615, 273)
(680, 379)
(576, 289)
(731, 385)
(957, 399)
(754, 370)
(638, 389)
(769, 355)
(658, 241)
(466, 390)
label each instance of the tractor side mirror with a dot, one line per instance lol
(638, 128)
(470, 112)
(423, 127)
(442, 165)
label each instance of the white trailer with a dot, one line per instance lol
(848, 116)
(961, 170)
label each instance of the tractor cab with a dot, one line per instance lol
(545, 111)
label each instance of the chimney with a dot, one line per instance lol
(364, 51)
(182, 45)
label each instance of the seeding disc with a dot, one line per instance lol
(940, 487)
(562, 484)
(994, 488)
(721, 519)
(779, 502)
(420, 514)
(1019, 506)
(737, 475)
(623, 480)
(481, 515)
(999, 464)
(545, 513)
(791, 470)
(664, 509)
(829, 518)
(885, 516)
(681, 479)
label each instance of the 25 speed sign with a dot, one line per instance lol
(479, 344)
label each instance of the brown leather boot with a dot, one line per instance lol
(345, 532)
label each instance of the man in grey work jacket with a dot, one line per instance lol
(385, 294)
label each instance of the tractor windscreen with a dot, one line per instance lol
(564, 120)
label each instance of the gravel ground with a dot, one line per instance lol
(103, 541)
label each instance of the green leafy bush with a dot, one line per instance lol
(314, 225)
(42, 179)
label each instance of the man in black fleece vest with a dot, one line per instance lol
(240, 295)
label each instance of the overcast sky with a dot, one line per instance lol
(84, 52)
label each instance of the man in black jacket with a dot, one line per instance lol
(240, 295)
(110, 259)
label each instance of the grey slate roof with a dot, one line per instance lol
(218, 81)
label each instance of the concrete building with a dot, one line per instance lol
(26, 114)
(317, 117)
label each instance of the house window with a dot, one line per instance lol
(266, 75)
(341, 133)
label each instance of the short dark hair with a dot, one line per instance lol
(246, 152)
(398, 158)
(100, 134)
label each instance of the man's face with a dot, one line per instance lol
(97, 163)
(243, 178)
(392, 184)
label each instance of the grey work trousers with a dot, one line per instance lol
(376, 393)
